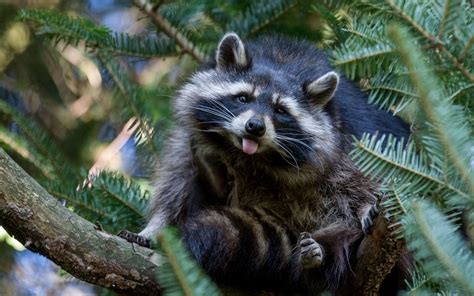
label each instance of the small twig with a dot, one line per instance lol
(458, 64)
(164, 25)
(466, 48)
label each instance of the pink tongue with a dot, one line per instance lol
(249, 146)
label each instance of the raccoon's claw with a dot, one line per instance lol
(368, 219)
(135, 238)
(311, 253)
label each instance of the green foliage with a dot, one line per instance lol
(112, 200)
(40, 147)
(436, 242)
(59, 27)
(131, 100)
(447, 138)
(420, 71)
(444, 29)
(180, 275)
(258, 15)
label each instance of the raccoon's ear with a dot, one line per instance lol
(231, 53)
(322, 89)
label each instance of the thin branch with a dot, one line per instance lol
(164, 25)
(444, 19)
(466, 48)
(458, 64)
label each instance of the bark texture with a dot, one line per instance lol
(44, 225)
(376, 256)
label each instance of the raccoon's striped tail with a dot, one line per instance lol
(244, 246)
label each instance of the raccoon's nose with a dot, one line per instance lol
(255, 127)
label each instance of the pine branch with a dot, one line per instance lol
(400, 8)
(453, 134)
(112, 200)
(391, 92)
(60, 27)
(396, 204)
(258, 15)
(24, 149)
(436, 42)
(124, 192)
(81, 204)
(185, 44)
(133, 99)
(419, 280)
(43, 225)
(436, 242)
(359, 60)
(451, 11)
(180, 275)
(401, 162)
(38, 139)
(466, 48)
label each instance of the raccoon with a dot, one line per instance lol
(256, 173)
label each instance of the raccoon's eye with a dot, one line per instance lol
(281, 110)
(242, 98)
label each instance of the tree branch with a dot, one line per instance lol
(376, 257)
(164, 25)
(44, 225)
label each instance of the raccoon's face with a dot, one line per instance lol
(247, 107)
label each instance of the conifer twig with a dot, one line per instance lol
(164, 25)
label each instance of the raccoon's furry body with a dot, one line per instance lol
(259, 156)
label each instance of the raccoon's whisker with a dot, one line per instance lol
(219, 104)
(214, 112)
(205, 130)
(288, 153)
(289, 139)
(295, 133)
(209, 122)
(295, 137)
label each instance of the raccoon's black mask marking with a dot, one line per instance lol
(212, 117)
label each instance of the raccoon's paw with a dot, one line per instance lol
(135, 238)
(311, 253)
(367, 220)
